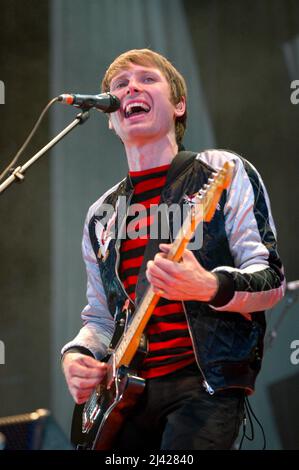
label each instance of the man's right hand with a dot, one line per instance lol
(83, 373)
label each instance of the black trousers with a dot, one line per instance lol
(176, 413)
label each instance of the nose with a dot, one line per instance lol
(133, 87)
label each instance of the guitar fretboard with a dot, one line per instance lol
(150, 299)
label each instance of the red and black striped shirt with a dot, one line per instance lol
(170, 346)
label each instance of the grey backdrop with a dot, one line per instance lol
(238, 59)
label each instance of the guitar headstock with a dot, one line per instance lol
(209, 196)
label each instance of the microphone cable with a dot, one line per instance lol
(250, 415)
(10, 166)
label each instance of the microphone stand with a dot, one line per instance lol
(291, 298)
(18, 173)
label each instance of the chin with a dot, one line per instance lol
(140, 132)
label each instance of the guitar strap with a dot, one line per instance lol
(181, 161)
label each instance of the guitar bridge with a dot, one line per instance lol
(88, 420)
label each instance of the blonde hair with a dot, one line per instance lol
(147, 58)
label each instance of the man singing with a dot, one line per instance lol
(205, 335)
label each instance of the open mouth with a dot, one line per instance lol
(136, 107)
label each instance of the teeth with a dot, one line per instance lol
(135, 104)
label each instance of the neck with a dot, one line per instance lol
(146, 155)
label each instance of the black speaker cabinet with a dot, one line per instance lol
(25, 431)
(284, 396)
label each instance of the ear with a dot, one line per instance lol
(180, 107)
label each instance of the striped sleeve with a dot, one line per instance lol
(256, 282)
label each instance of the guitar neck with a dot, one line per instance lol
(203, 210)
(130, 341)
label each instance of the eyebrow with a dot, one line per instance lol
(118, 77)
(139, 72)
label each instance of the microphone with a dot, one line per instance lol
(293, 285)
(104, 102)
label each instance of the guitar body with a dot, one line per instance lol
(113, 407)
(95, 424)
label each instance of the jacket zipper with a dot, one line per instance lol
(206, 385)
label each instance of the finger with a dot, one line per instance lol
(188, 255)
(160, 256)
(77, 370)
(165, 248)
(85, 384)
(172, 268)
(158, 290)
(158, 284)
(154, 271)
(81, 397)
(89, 361)
(150, 270)
(81, 401)
(162, 293)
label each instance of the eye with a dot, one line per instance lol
(119, 84)
(149, 79)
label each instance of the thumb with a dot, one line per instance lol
(164, 247)
(188, 255)
(89, 361)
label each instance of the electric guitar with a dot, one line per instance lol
(97, 422)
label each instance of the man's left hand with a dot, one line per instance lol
(186, 280)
